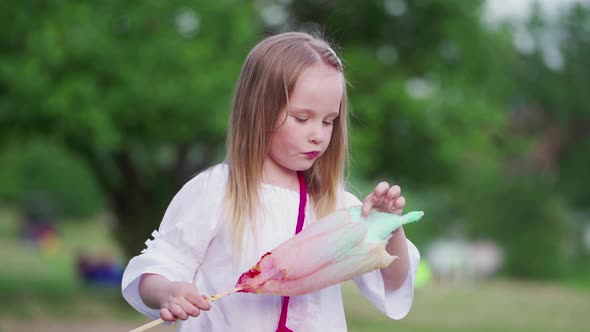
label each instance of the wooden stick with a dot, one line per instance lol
(210, 299)
(148, 325)
(226, 293)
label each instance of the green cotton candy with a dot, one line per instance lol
(380, 224)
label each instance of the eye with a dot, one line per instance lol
(300, 120)
(328, 123)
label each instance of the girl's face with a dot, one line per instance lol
(304, 129)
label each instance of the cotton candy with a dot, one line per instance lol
(337, 248)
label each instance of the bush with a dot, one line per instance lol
(37, 171)
(525, 217)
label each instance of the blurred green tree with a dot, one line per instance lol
(552, 113)
(427, 85)
(141, 91)
(43, 171)
(554, 108)
(428, 95)
(449, 107)
(442, 104)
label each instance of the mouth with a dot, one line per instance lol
(312, 154)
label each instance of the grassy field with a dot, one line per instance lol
(40, 292)
(492, 306)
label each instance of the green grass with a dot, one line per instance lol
(42, 285)
(490, 306)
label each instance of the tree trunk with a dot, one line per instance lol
(139, 202)
(136, 220)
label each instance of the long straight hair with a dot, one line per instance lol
(268, 76)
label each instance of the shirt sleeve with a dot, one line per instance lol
(395, 304)
(178, 247)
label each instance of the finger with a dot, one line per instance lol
(381, 189)
(382, 197)
(166, 315)
(207, 304)
(400, 202)
(397, 206)
(189, 308)
(389, 207)
(177, 311)
(393, 193)
(368, 205)
(374, 198)
(199, 301)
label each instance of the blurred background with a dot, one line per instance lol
(479, 110)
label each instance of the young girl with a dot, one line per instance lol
(288, 124)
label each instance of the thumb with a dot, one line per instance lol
(199, 300)
(368, 205)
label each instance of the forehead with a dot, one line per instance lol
(319, 88)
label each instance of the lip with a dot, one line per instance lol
(312, 154)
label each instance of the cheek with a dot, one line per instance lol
(293, 135)
(285, 138)
(329, 133)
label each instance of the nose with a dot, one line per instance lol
(318, 134)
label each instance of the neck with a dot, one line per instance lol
(275, 174)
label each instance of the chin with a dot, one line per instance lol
(305, 167)
(299, 167)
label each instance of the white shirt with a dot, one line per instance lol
(192, 245)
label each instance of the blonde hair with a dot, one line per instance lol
(268, 76)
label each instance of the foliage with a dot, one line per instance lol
(552, 96)
(44, 173)
(140, 91)
(529, 225)
(489, 136)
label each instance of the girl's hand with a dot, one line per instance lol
(384, 199)
(182, 300)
